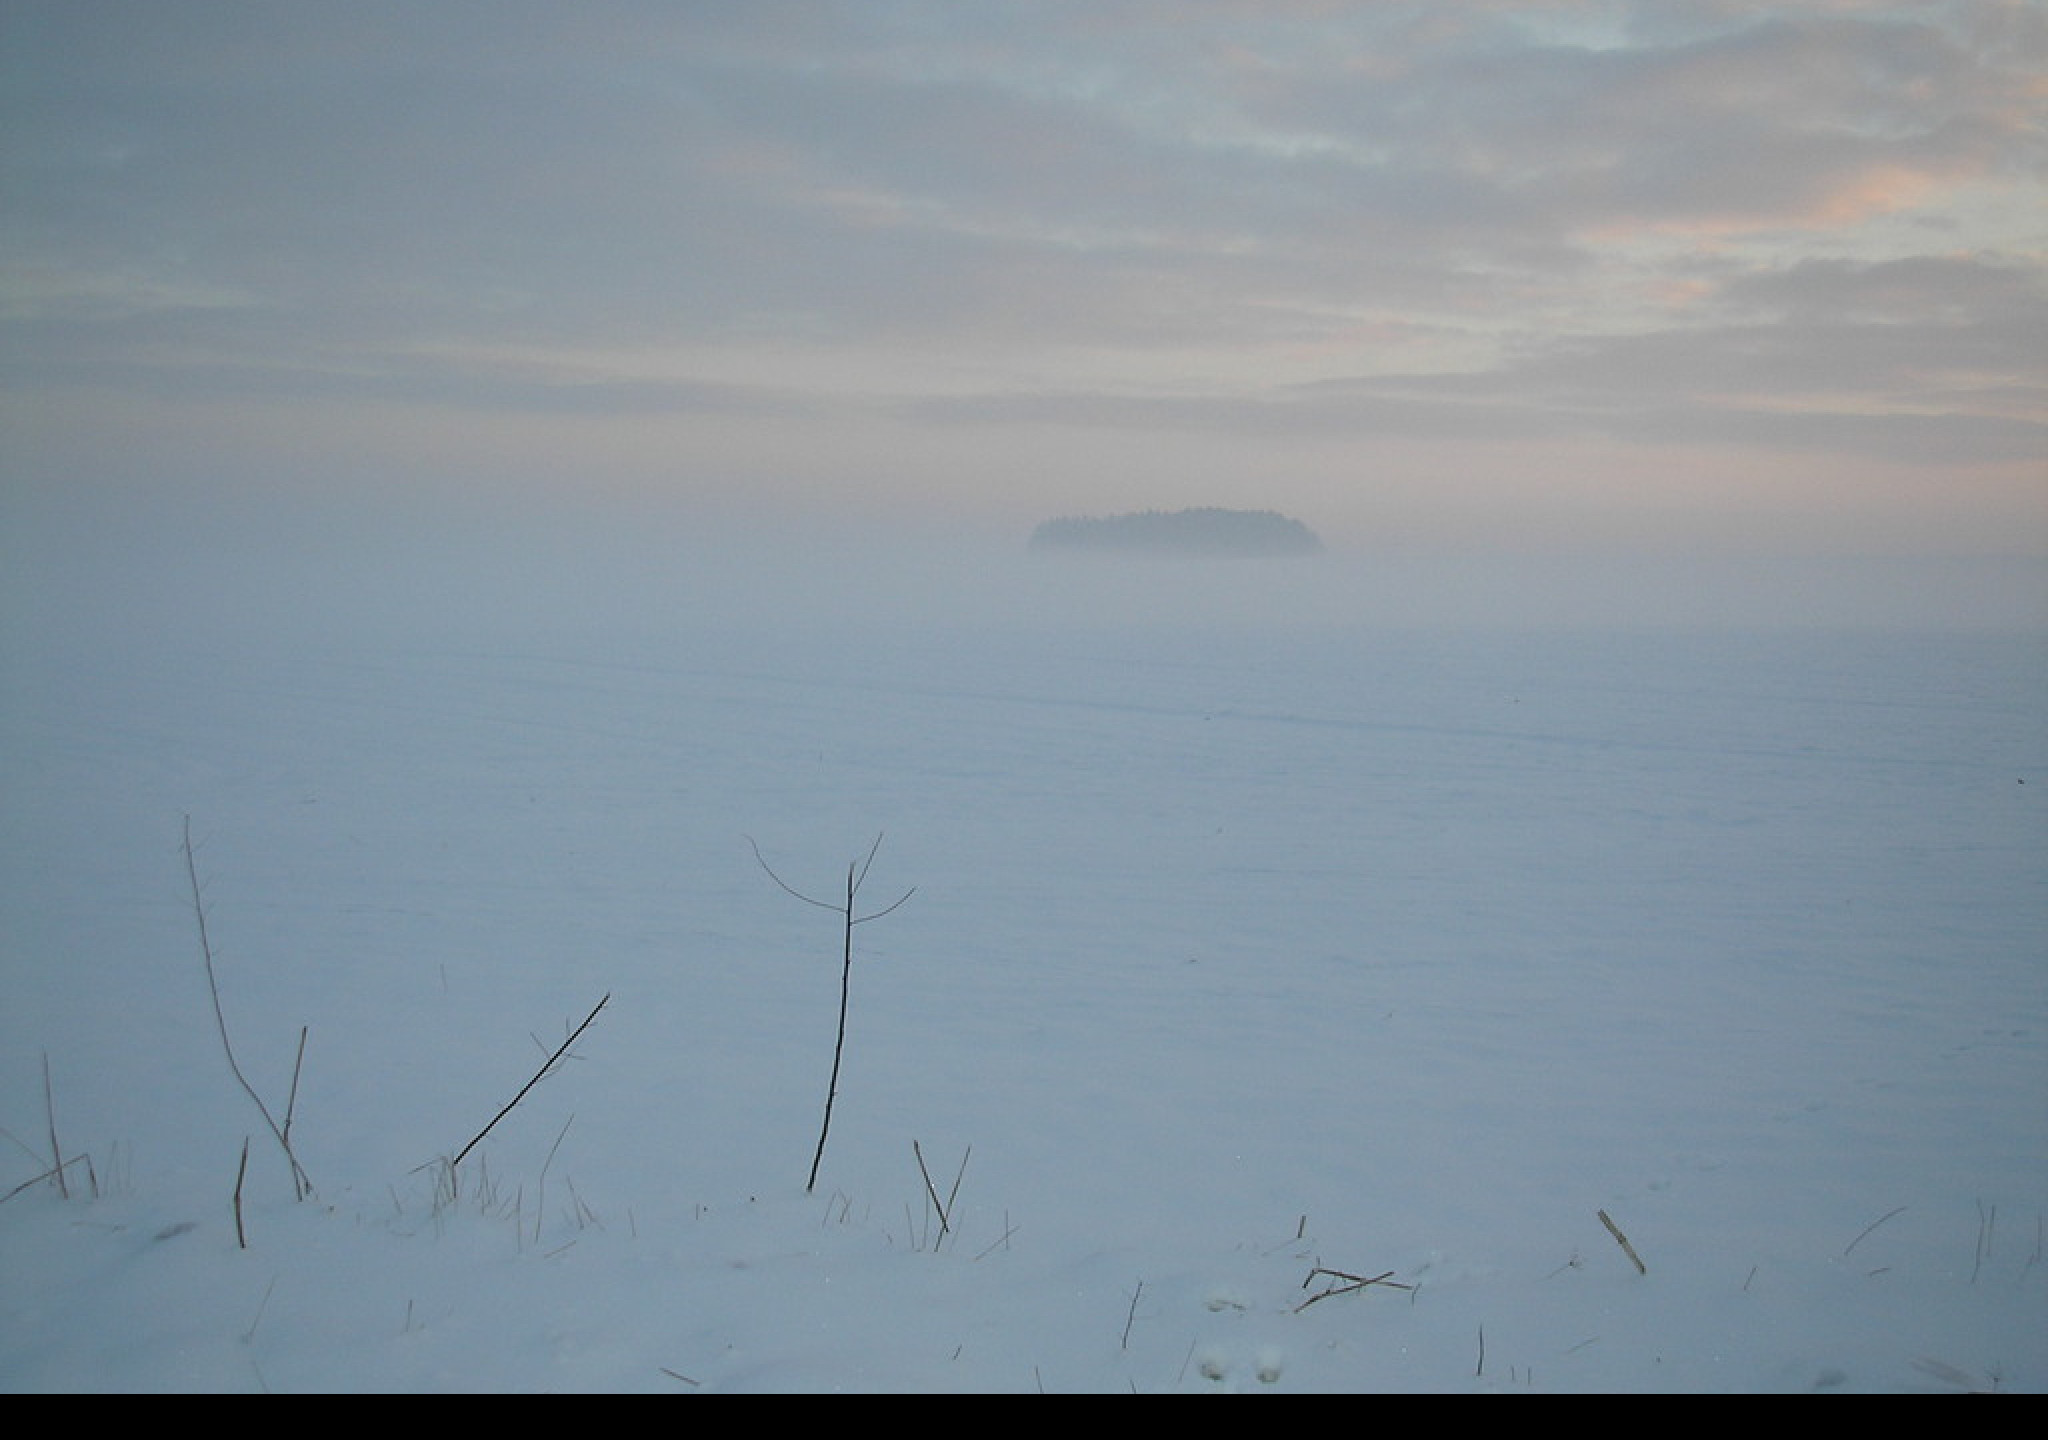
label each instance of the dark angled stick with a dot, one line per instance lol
(538, 1076)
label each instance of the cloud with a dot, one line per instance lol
(1803, 229)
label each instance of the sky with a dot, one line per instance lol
(1645, 280)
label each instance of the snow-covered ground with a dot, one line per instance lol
(1244, 954)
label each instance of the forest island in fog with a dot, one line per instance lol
(1207, 531)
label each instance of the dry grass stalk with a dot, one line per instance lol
(1870, 1227)
(302, 1186)
(241, 1235)
(945, 1207)
(50, 1115)
(1344, 1283)
(1622, 1240)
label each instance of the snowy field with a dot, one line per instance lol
(1245, 954)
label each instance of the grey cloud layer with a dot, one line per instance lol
(1561, 216)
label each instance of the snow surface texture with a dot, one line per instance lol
(1241, 960)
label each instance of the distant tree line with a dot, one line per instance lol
(1203, 531)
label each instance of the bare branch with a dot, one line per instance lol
(863, 919)
(856, 880)
(821, 904)
(855, 874)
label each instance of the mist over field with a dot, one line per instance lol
(515, 483)
(235, 567)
